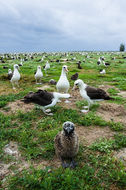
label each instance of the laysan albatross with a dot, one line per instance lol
(91, 94)
(44, 99)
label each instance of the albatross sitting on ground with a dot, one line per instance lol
(91, 94)
(44, 99)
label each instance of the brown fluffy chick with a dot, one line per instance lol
(67, 145)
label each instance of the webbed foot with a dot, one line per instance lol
(65, 165)
(73, 164)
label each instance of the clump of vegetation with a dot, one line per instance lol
(103, 145)
(122, 47)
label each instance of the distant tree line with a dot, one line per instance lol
(122, 47)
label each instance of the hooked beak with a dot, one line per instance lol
(66, 70)
(74, 87)
(68, 131)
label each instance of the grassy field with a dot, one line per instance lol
(102, 131)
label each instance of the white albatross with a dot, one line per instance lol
(90, 94)
(16, 76)
(38, 75)
(47, 66)
(63, 84)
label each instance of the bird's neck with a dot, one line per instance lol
(63, 73)
(82, 87)
(15, 70)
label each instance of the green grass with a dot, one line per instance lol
(106, 145)
(99, 173)
(34, 132)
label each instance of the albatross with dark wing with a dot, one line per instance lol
(10, 74)
(91, 94)
(44, 99)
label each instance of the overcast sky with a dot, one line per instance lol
(61, 25)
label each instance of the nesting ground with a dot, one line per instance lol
(27, 155)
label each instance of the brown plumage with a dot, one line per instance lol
(79, 66)
(66, 144)
(10, 76)
(52, 82)
(41, 97)
(97, 93)
(44, 99)
(74, 77)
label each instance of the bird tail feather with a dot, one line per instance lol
(109, 98)
(59, 95)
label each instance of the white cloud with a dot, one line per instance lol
(69, 24)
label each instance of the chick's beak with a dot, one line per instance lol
(68, 130)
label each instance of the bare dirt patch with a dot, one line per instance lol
(4, 169)
(45, 87)
(75, 96)
(88, 135)
(113, 187)
(55, 163)
(106, 87)
(112, 112)
(16, 106)
(12, 149)
(121, 155)
(122, 93)
(19, 163)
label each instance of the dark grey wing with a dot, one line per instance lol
(41, 97)
(96, 93)
(74, 77)
(58, 145)
(10, 76)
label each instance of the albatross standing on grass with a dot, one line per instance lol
(47, 66)
(91, 94)
(16, 76)
(63, 84)
(67, 145)
(38, 75)
(44, 99)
